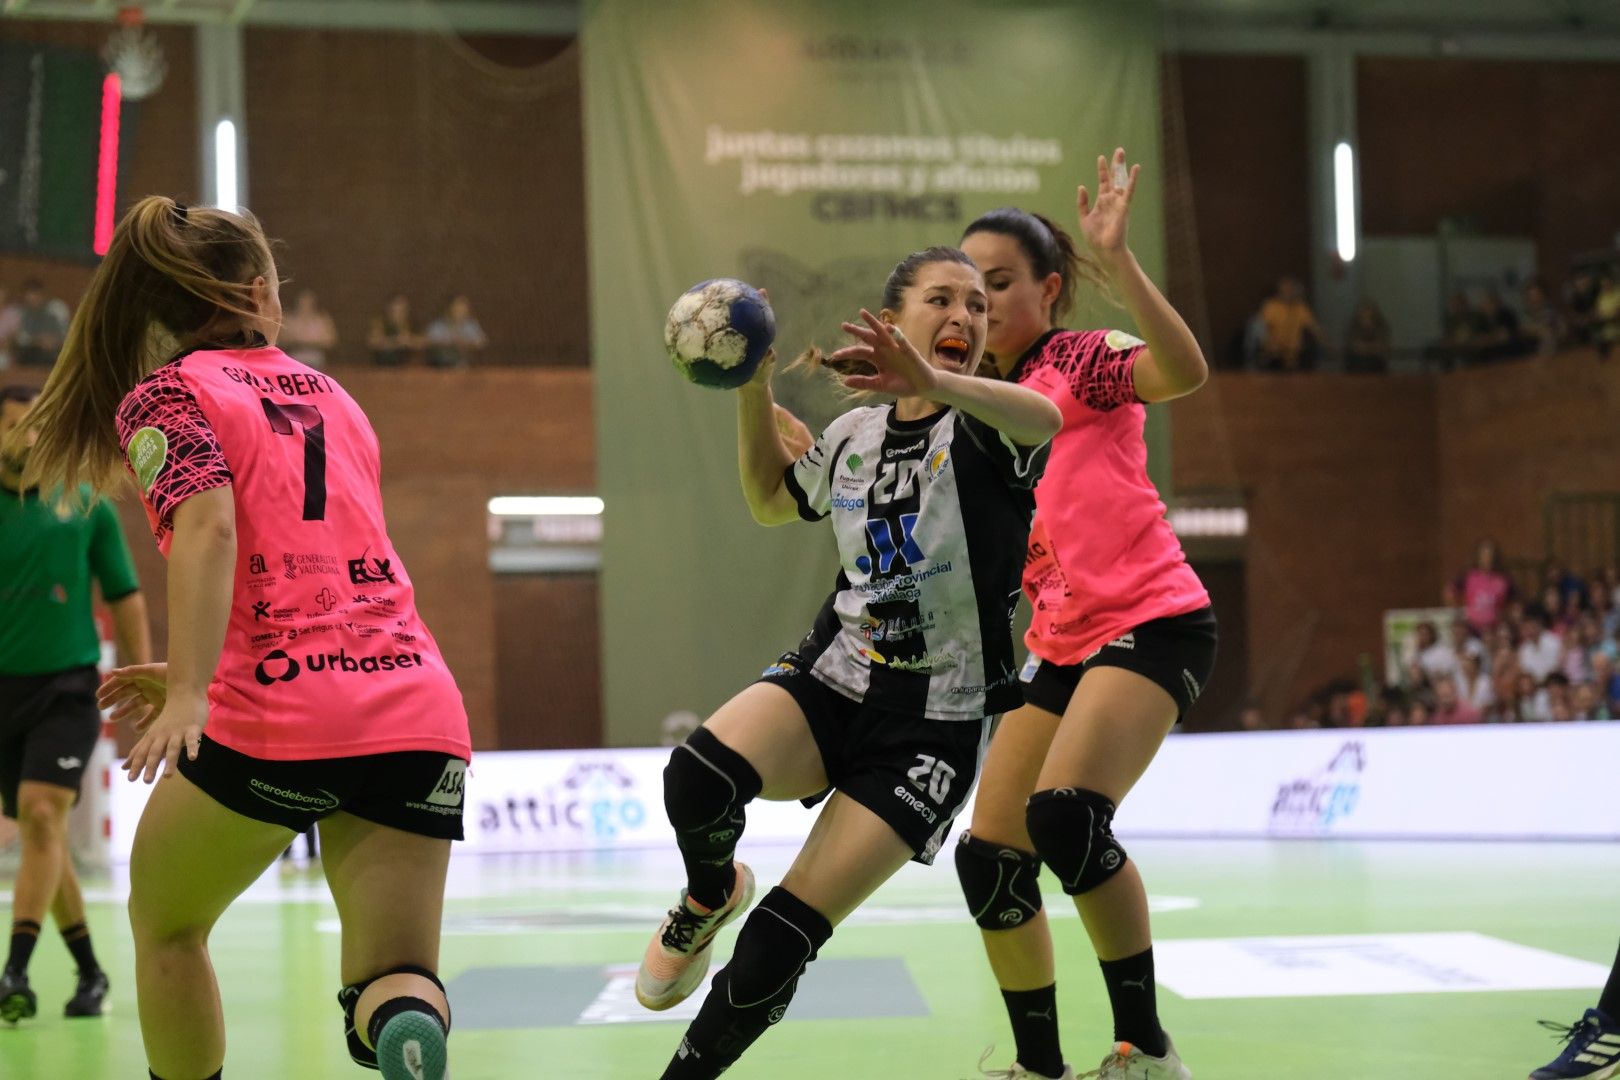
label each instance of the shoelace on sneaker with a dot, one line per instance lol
(684, 923)
(1114, 1060)
(1577, 1035)
(1568, 1032)
(994, 1074)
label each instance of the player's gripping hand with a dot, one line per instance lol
(135, 694)
(901, 369)
(177, 729)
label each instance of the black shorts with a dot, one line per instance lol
(416, 791)
(913, 773)
(49, 725)
(1177, 653)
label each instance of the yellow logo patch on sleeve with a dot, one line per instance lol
(1120, 341)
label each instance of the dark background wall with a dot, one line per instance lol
(1520, 148)
(418, 163)
(1244, 125)
(432, 165)
(1341, 479)
(1510, 437)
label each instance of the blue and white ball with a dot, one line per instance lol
(719, 331)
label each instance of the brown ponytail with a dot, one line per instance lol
(173, 277)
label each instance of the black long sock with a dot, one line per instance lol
(1609, 1003)
(1035, 1029)
(77, 938)
(1135, 1000)
(24, 936)
(751, 993)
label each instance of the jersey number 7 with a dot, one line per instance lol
(282, 418)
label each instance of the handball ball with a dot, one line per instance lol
(719, 331)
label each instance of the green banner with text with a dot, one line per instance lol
(806, 147)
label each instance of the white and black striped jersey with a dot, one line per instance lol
(931, 516)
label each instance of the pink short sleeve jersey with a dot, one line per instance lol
(1102, 559)
(325, 655)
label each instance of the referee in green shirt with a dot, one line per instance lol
(49, 722)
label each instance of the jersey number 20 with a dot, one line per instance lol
(282, 418)
(935, 773)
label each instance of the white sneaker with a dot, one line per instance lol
(1018, 1072)
(1128, 1063)
(678, 956)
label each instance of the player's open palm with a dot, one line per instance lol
(176, 729)
(901, 369)
(1103, 220)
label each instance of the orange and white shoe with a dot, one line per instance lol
(1130, 1063)
(678, 956)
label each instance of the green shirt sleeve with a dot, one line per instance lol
(110, 560)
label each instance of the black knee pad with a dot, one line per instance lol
(349, 999)
(1001, 884)
(705, 783)
(1072, 830)
(777, 941)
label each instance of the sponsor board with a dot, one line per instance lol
(1410, 783)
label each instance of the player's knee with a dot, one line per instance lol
(704, 780)
(361, 1048)
(777, 941)
(1001, 884)
(41, 818)
(1073, 832)
(156, 930)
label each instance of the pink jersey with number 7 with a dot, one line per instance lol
(325, 655)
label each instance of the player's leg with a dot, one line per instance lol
(757, 744)
(388, 885)
(850, 852)
(1109, 735)
(41, 811)
(901, 781)
(67, 909)
(192, 856)
(999, 873)
(52, 725)
(1125, 704)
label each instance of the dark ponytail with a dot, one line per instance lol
(1050, 250)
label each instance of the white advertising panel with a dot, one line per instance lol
(1509, 782)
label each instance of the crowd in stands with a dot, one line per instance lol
(451, 340)
(34, 325)
(1502, 657)
(1479, 327)
(1284, 335)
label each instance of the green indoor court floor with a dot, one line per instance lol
(1393, 961)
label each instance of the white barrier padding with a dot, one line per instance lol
(1508, 782)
